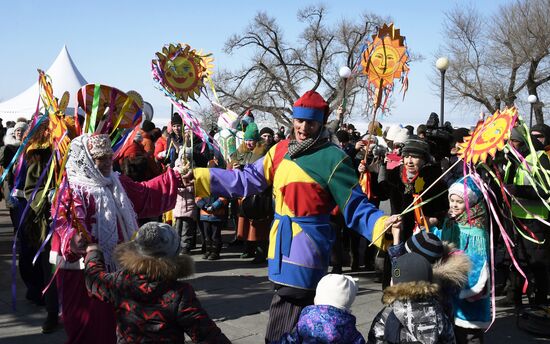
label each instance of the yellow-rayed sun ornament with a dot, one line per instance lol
(384, 60)
(488, 136)
(182, 70)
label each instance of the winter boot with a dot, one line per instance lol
(207, 249)
(216, 249)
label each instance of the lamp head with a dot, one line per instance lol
(442, 64)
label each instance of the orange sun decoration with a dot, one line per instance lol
(184, 70)
(488, 136)
(384, 60)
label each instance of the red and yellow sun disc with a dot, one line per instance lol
(488, 136)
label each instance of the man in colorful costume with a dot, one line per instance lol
(309, 176)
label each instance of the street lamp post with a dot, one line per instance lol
(442, 64)
(344, 73)
(532, 99)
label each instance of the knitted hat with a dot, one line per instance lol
(426, 244)
(99, 146)
(251, 133)
(472, 190)
(401, 136)
(157, 239)
(311, 106)
(336, 290)
(411, 267)
(21, 125)
(147, 125)
(342, 136)
(176, 119)
(416, 147)
(266, 130)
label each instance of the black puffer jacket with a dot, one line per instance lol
(151, 305)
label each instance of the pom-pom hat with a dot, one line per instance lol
(311, 106)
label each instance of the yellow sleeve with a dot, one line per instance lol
(380, 240)
(202, 182)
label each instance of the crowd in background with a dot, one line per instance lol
(394, 163)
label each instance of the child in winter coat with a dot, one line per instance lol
(472, 305)
(213, 215)
(151, 305)
(185, 210)
(450, 266)
(329, 320)
(412, 312)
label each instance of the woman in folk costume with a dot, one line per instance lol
(467, 230)
(96, 205)
(309, 176)
(254, 233)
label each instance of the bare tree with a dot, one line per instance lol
(496, 59)
(278, 71)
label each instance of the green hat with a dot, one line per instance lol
(251, 133)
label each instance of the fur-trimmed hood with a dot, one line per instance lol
(410, 291)
(155, 268)
(451, 271)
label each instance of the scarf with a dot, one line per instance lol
(113, 207)
(475, 219)
(408, 180)
(296, 148)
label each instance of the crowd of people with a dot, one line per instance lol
(302, 200)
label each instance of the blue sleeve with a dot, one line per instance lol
(361, 215)
(217, 204)
(396, 251)
(200, 203)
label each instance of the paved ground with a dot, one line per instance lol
(235, 293)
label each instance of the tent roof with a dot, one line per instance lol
(65, 77)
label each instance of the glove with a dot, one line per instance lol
(209, 209)
(161, 155)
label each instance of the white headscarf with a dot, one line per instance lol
(113, 207)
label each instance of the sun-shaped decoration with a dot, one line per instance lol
(384, 60)
(488, 136)
(182, 70)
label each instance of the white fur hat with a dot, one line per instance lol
(401, 136)
(336, 290)
(392, 131)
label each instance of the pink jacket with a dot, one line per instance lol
(150, 198)
(185, 203)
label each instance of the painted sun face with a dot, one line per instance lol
(181, 74)
(182, 70)
(488, 136)
(385, 60)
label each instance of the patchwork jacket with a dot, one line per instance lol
(305, 189)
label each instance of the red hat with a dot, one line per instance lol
(311, 106)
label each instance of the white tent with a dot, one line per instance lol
(65, 77)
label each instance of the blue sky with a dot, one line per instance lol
(113, 42)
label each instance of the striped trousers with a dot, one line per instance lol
(283, 316)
